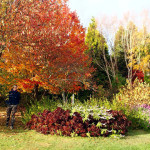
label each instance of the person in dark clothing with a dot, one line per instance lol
(12, 103)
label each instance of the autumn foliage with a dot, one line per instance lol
(137, 74)
(45, 45)
(60, 122)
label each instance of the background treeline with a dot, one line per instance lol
(60, 59)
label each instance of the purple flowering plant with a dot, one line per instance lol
(141, 114)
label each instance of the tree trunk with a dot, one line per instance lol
(107, 69)
(36, 92)
(72, 99)
(63, 96)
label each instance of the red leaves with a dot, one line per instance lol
(137, 74)
(2, 43)
(48, 40)
(60, 121)
(29, 84)
(120, 122)
(94, 131)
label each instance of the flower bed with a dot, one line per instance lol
(144, 113)
(96, 122)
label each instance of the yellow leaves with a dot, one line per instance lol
(36, 78)
(86, 85)
(133, 62)
(9, 70)
(2, 80)
(22, 66)
(2, 65)
(134, 95)
(139, 58)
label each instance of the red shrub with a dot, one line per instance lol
(61, 120)
(137, 74)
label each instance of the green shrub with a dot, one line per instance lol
(123, 101)
(94, 111)
(118, 81)
(38, 106)
(129, 98)
(147, 78)
(140, 120)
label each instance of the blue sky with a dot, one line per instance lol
(98, 8)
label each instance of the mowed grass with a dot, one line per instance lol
(21, 139)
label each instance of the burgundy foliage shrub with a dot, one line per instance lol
(61, 122)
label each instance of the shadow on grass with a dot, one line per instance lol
(137, 132)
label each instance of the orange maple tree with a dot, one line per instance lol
(45, 46)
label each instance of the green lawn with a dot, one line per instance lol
(20, 139)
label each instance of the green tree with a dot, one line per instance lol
(119, 52)
(98, 51)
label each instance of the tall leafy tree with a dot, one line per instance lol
(135, 45)
(4, 6)
(119, 52)
(45, 47)
(98, 50)
(131, 47)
